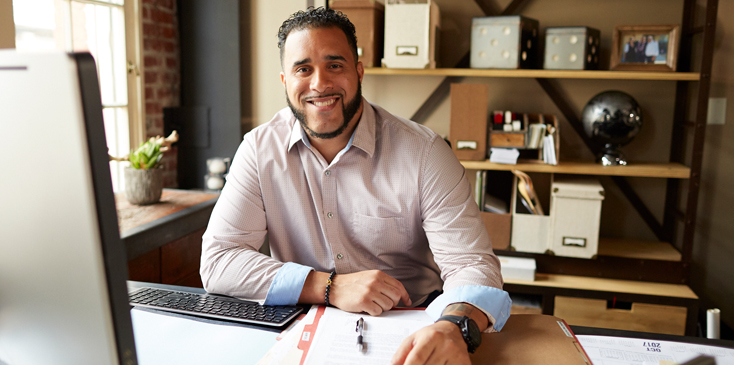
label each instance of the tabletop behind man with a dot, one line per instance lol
(363, 210)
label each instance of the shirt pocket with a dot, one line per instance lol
(380, 235)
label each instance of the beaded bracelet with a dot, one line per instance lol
(328, 287)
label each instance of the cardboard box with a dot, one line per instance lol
(498, 227)
(571, 48)
(368, 17)
(507, 42)
(575, 217)
(468, 128)
(411, 34)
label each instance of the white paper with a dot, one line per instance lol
(335, 341)
(504, 155)
(605, 350)
(166, 339)
(286, 350)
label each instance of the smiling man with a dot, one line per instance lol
(363, 210)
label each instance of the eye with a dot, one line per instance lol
(335, 65)
(302, 70)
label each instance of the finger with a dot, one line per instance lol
(399, 291)
(373, 308)
(399, 357)
(383, 301)
(420, 353)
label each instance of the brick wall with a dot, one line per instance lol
(161, 64)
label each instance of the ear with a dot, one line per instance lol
(360, 70)
(282, 78)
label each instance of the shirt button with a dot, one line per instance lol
(339, 256)
(327, 173)
(330, 215)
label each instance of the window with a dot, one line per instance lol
(108, 30)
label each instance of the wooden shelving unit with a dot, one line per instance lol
(543, 74)
(625, 269)
(638, 169)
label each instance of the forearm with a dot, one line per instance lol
(237, 271)
(466, 309)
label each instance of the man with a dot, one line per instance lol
(364, 210)
(651, 50)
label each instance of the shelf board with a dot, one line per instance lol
(635, 249)
(636, 169)
(608, 285)
(544, 74)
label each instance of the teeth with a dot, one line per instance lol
(324, 103)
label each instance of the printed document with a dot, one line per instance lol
(607, 350)
(335, 340)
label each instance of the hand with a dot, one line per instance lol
(439, 343)
(367, 291)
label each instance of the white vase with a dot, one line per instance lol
(142, 186)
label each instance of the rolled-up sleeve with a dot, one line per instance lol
(458, 238)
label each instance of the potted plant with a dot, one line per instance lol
(144, 176)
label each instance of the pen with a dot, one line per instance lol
(360, 328)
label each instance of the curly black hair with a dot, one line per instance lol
(313, 18)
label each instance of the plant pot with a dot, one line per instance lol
(143, 187)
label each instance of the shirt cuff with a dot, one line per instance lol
(287, 285)
(493, 302)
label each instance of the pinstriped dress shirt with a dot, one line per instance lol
(396, 199)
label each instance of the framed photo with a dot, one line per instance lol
(645, 47)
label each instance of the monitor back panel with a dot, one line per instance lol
(55, 305)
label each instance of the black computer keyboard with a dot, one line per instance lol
(214, 306)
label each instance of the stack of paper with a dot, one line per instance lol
(504, 155)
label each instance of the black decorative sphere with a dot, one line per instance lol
(612, 119)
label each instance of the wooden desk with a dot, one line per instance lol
(163, 240)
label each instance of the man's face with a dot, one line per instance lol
(322, 81)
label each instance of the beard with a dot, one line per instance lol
(349, 109)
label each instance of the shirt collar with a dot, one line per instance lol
(363, 136)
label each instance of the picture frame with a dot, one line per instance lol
(645, 47)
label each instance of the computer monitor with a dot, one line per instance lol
(63, 296)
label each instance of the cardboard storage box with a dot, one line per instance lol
(508, 42)
(411, 34)
(575, 214)
(571, 48)
(468, 126)
(641, 317)
(498, 227)
(368, 17)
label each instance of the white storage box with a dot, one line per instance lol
(571, 48)
(530, 232)
(411, 34)
(575, 215)
(517, 268)
(508, 42)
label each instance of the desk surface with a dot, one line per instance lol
(266, 336)
(147, 227)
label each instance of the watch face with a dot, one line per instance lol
(472, 335)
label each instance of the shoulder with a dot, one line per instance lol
(278, 129)
(398, 127)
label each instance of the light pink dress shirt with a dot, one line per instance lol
(396, 200)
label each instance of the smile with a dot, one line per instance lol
(324, 103)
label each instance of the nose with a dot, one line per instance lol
(320, 81)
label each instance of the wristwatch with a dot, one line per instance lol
(469, 330)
